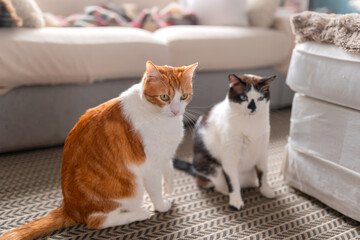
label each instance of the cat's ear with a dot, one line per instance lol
(267, 80)
(151, 72)
(235, 80)
(189, 71)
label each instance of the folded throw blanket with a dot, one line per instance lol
(340, 30)
(111, 14)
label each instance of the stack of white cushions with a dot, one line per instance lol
(323, 150)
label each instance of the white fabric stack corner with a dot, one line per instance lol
(323, 157)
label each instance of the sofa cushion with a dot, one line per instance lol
(218, 12)
(75, 55)
(29, 12)
(326, 72)
(223, 48)
(262, 13)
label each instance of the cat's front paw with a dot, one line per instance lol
(164, 207)
(267, 192)
(236, 204)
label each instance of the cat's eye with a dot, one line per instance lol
(261, 98)
(184, 96)
(243, 97)
(164, 98)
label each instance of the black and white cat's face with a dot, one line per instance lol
(250, 92)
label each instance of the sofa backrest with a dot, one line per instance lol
(66, 7)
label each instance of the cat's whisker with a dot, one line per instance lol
(195, 113)
(190, 123)
(190, 129)
(188, 120)
(191, 112)
(191, 116)
(201, 107)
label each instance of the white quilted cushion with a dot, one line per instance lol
(326, 72)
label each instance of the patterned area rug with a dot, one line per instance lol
(30, 188)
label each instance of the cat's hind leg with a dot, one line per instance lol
(262, 172)
(248, 179)
(204, 182)
(116, 218)
(219, 181)
(121, 218)
(128, 210)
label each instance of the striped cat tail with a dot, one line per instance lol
(55, 220)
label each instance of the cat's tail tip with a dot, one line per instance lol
(184, 166)
(55, 220)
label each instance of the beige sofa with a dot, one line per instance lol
(50, 76)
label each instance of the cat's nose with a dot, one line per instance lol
(175, 112)
(252, 106)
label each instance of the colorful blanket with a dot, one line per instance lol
(111, 14)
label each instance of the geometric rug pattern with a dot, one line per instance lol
(30, 188)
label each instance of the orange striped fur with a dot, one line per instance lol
(103, 136)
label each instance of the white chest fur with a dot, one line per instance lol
(229, 132)
(160, 134)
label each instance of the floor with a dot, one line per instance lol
(30, 188)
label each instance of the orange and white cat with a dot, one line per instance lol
(116, 151)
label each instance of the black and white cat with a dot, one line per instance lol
(231, 140)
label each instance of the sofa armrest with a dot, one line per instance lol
(282, 23)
